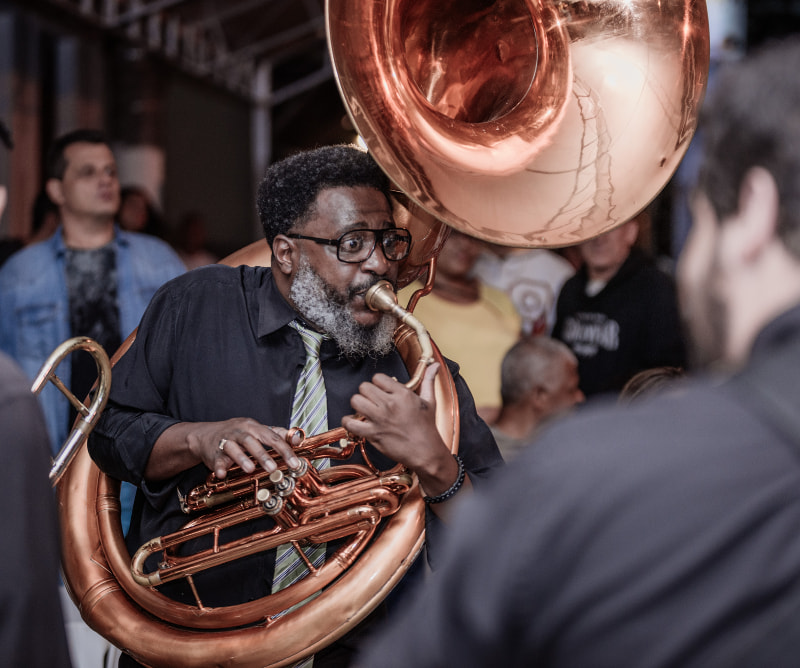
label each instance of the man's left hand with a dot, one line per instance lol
(402, 425)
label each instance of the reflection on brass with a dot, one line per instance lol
(381, 297)
(117, 595)
(524, 122)
(87, 415)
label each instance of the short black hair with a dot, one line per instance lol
(750, 119)
(287, 194)
(42, 205)
(5, 136)
(56, 163)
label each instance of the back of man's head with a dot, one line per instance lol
(56, 162)
(290, 188)
(751, 118)
(529, 364)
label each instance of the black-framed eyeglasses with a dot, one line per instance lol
(357, 245)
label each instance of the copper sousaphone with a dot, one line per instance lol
(523, 122)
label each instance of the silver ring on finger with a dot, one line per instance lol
(222, 443)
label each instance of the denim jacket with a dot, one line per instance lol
(34, 308)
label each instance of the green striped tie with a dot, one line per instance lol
(310, 413)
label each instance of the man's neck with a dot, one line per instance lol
(602, 274)
(756, 299)
(87, 233)
(516, 421)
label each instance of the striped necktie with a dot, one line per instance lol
(310, 413)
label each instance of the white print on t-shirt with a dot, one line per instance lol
(587, 333)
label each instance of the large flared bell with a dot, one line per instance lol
(524, 122)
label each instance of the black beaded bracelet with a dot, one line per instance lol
(453, 488)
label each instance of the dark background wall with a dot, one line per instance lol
(207, 169)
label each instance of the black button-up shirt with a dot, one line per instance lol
(215, 344)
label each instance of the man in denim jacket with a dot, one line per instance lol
(49, 291)
(89, 279)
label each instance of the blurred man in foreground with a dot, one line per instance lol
(665, 533)
(31, 624)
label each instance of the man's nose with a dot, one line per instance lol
(376, 262)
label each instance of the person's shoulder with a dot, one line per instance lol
(642, 266)
(207, 276)
(13, 381)
(23, 256)
(656, 283)
(207, 288)
(27, 263)
(573, 284)
(664, 423)
(147, 243)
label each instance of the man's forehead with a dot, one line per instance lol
(81, 152)
(346, 207)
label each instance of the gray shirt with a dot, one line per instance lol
(661, 534)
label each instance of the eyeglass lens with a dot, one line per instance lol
(357, 245)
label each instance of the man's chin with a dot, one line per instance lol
(366, 317)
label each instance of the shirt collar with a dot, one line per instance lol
(121, 238)
(778, 332)
(274, 311)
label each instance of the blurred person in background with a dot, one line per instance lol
(470, 321)
(88, 279)
(191, 240)
(138, 213)
(539, 382)
(618, 313)
(531, 277)
(32, 631)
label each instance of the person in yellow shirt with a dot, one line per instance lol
(471, 322)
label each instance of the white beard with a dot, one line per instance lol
(320, 304)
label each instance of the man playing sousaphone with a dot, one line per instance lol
(226, 359)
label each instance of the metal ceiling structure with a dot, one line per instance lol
(241, 44)
(236, 44)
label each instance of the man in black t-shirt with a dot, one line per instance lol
(618, 313)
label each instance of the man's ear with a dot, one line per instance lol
(631, 232)
(757, 218)
(54, 191)
(537, 398)
(3, 196)
(284, 255)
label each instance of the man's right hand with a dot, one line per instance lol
(219, 445)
